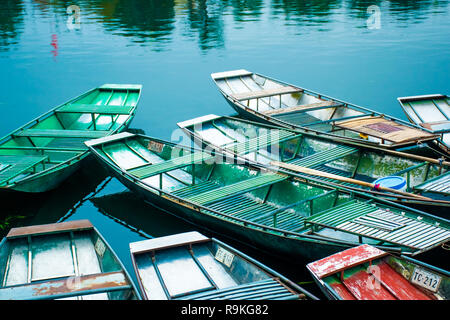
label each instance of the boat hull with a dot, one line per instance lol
(276, 245)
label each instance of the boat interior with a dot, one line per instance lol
(73, 265)
(230, 190)
(389, 278)
(58, 136)
(203, 270)
(304, 108)
(265, 144)
(431, 112)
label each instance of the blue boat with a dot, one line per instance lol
(190, 266)
(68, 260)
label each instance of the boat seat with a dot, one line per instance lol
(262, 141)
(397, 285)
(67, 287)
(364, 219)
(14, 165)
(150, 169)
(265, 93)
(236, 188)
(192, 190)
(326, 156)
(357, 285)
(440, 184)
(249, 209)
(94, 108)
(61, 133)
(304, 107)
(260, 290)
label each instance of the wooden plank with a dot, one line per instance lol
(265, 93)
(358, 285)
(56, 133)
(50, 228)
(342, 291)
(303, 107)
(385, 129)
(344, 260)
(67, 287)
(231, 74)
(94, 108)
(441, 126)
(396, 284)
(166, 242)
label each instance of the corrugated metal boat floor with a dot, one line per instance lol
(370, 221)
(260, 290)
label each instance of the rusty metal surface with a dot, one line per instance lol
(70, 286)
(49, 228)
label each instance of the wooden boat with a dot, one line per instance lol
(281, 213)
(356, 166)
(260, 98)
(68, 260)
(431, 112)
(367, 273)
(38, 156)
(190, 266)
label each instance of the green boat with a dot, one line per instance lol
(261, 98)
(68, 260)
(357, 166)
(281, 214)
(41, 154)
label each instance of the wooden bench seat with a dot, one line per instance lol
(150, 169)
(236, 188)
(262, 141)
(303, 108)
(67, 287)
(94, 108)
(61, 133)
(265, 93)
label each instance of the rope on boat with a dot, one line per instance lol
(445, 246)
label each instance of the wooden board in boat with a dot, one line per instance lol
(385, 130)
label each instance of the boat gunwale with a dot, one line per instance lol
(279, 232)
(342, 103)
(80, 154)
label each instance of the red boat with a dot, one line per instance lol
(368, 273)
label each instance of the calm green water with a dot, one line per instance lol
(346, 49)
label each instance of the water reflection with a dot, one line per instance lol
(154, 23)
(21, 209)
(11, 23)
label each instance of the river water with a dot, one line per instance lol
(365, 52)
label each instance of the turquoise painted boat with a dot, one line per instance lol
(431, 112)
(279, 213)
(358, 166)
(68, 260)
(190, 266)
(261, 98)
(41, 154)
(367, 273)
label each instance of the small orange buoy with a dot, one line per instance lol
(363, 136)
